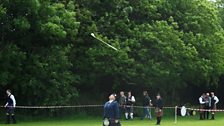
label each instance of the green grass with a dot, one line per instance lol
(167, 121)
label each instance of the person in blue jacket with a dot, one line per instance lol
(111, 112)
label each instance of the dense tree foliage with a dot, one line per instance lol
(167, 46)
(36, 41)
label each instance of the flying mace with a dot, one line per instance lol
(93, 35)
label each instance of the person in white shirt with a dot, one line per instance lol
(10, 106)
(214, 101)
(129, 106)
(202, 106)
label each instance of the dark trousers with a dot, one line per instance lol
(158, 120)
(213, 107)
(159, 114)
(122, 111)
(10, 115)
(206, 113)
(202, 112)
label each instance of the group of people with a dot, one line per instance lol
(207, 103)
(126, 104)
(113, 109)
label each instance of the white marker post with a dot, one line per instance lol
(175, 114)
(92, 34)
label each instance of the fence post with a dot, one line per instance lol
(175, 114)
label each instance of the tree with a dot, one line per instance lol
(36, 41)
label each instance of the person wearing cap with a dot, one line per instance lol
(122, 102)
(146, 106)
(10, 106)
(111, 112)
(129, 106)
(158, 109)
(214, 101)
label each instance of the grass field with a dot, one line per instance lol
(167, 121)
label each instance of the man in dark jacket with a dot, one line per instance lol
(146, 106)
(111, 112)
(158, 109)
(207, 105)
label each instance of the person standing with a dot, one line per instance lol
(146, 106)
(207, 105)
(214, 101)
(10, 107)
(202, 105)
(111, 112)
(122, 102)
(129, 106)
(158, 108)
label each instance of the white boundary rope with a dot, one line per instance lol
(92, 106)
(95, 106)
(73, 106)
(56, 107)
(206, 110)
